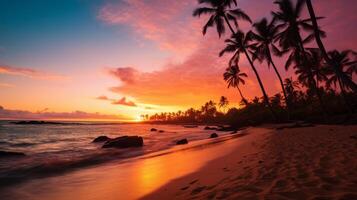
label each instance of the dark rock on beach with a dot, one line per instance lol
(182, 141)
(213, 135)
(161, 131)
(124, 142)
(102, 138)
(210, 128)
(153, 129)
(6, 154)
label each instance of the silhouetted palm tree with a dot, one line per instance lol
(234, 77)
(223, 102)
(333, 63)
(311, 71)
(240, 43)
(342, 70)
(289, 38)
(264, 40)
(220, 11)
(291, 87)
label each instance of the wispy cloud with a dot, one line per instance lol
(124, 102)
(46, 114)
(31, 73)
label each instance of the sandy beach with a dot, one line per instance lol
(258, 163)
(299, 163)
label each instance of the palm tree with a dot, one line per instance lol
(220, 11)
(238, 44)
(289, 38)
(264, 40)
(223, 102)
(234, 77)
(290, 88)
(335, 60)
(341, 72)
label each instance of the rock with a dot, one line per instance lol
(5, 154)
(182, 141)
(124, 142)
(161, 131)
(210, 128)
(153, 129)
(213, 135)
(102, 138)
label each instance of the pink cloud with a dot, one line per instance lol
(124, 102)
(168, 23)
(102, 98)
(126, 74)
(28, 72)
(45, 114)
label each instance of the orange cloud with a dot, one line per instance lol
(31, 73)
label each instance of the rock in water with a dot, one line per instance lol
(161, 131)
(213, 135)
(5, 154)
(183, 141)
(153, 129)
(124, 142)
(102, 138)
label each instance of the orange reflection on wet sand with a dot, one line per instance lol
(128, 180)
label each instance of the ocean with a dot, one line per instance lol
(52, 149)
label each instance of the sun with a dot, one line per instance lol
(138, 118)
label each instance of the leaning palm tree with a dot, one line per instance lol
(341, 72)
(289, 25)
(263, 36)
(220, 11)
(240, 43)
(234, 77)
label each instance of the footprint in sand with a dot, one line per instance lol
(198, 190)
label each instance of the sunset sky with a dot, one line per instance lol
(89, 59)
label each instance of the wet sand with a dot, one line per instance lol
(129, 179)
(317, 163)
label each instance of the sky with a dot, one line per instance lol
(117, 60)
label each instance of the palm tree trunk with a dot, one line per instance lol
(241, 95)
(312, 80)
(280, 79)
(266, 99)
(324, 52)
(229, 25)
